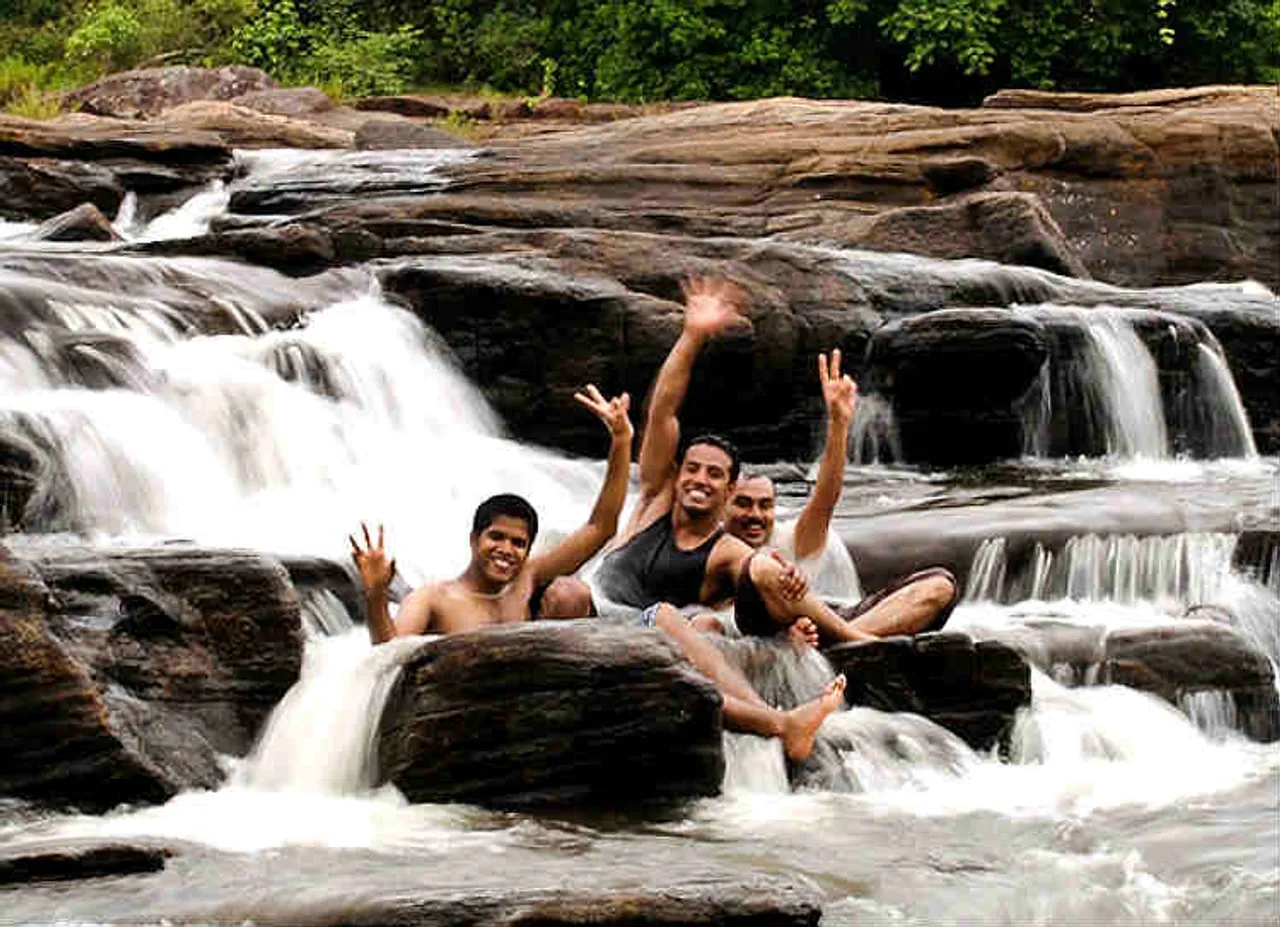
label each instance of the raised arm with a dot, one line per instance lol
(840, 394)
(582, 544)
(376, 573)
(711, 306)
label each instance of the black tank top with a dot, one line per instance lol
(650, 568)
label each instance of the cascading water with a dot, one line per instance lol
(1102, 388)
(280, 439)
(231, 405)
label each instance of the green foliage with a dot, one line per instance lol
(641, 50)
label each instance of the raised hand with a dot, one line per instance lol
(712, 305)
(613, 412)
(376, 571)
(793, 584)
(839, 391)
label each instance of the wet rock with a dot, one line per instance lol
(148, 91)
(37, 188)
(126, 674)
(49, 167)
(1197, 656)
(403, 133)
(291, 248)
(23, 864)
(1167, 192)
(755, 901)
(20, 469)
(605, 302)
(972, 688)
(552, 714)
(960, 382)
(84, 223)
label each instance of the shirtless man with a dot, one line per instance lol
(675, 551)
(501, 580)
(920, 602)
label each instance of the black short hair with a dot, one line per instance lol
(508, 504)
(724, 444)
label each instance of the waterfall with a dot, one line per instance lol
(873, 432)
(1226, 431)
(277, 416)
(1171, 571)
(1125, 387)
(322, 737)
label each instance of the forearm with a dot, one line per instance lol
(381, 627)
(811, 529)
(672, 383)
(662, 425)
(613, 492)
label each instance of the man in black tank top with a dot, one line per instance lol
(674, 551)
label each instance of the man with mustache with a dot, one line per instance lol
(920, 602)
(676, 529)
(675, 552)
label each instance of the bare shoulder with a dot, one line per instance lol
(728, 556)
(417, 610)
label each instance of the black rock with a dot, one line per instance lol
(552, 714)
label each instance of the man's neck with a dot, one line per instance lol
(473, 581)
(694, 526)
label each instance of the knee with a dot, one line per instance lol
(941, 590)
(566, 598)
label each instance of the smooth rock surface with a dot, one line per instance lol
(972, 688)
(553, 714)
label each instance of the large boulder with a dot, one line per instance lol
(148, 91)
(972, 688)
(1191, 656)
(961, 382)
(552, 714)
(127, 674)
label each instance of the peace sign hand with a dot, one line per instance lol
(839, 391)
(376, 570)
(613, 412)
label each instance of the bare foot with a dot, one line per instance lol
(800, 725)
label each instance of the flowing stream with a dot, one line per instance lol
(228, 405)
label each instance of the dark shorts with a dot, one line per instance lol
(749, 611)
(864, 605)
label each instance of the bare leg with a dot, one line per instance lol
(766, 574)
(744, 709)
(706, 657)
(910, 609)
